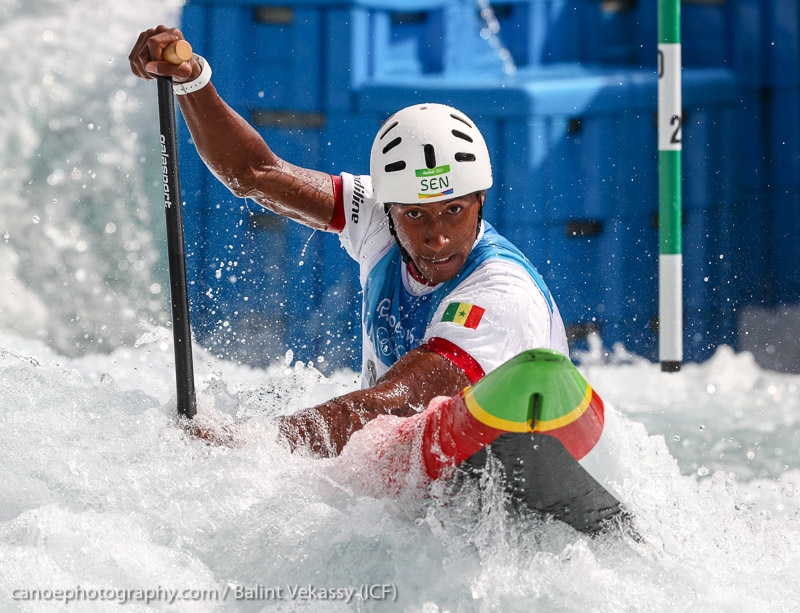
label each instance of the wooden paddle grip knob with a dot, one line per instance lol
(178, 52)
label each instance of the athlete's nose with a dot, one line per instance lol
(436, 235)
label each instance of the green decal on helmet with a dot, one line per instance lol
(429, 172)
(434, 182)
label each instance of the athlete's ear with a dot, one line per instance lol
(482, 196)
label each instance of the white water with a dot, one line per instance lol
(101, 491)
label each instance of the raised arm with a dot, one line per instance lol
(417, 378)
(230, 147)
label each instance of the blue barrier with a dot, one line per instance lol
(710, 156)
(619, 33)
(705, 32)
(749, 232)
(706, 265)
(746, 43)
(573, 142)
(782, 43)
(599, 270)
(783, 250)
(754, 112)
(784, 136)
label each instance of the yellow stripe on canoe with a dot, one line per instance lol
(479, 413)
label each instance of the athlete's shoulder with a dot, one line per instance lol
(500, 273)
(507, 292)
(366, 233)
(357, 195)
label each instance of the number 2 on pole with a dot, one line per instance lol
(676, 135)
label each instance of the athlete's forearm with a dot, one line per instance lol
(407, 387)
(238, 156)
(325, 429)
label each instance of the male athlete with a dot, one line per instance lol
(446, 298)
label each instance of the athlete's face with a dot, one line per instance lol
(438, 236)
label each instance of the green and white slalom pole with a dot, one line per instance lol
(670, 259)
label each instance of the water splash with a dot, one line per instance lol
(102, 488)
(491, 33)
(301, 261)
(78, 133)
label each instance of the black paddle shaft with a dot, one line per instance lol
(181, 328)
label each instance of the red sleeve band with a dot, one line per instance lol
(338, 221)
(457, 356)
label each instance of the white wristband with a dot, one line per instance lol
(203, 79)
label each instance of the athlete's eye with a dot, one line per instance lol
(414, 214)
(454, 209)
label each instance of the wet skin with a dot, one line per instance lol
(438, 236)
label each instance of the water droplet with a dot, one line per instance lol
(751, 454)
(36, 219)
(703, 471)
(676, 438)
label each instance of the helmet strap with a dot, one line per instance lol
(393, 232)
(482, 199)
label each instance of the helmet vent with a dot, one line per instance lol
(387, 130)
(392, 144)
(462, 120)
(395, 166)
(461, 135)
(430, 156)
(465, 157)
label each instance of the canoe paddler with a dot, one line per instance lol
(446, 299)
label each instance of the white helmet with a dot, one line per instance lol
(428, 153)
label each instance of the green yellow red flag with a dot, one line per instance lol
(464, 314)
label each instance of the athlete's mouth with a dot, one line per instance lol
(437, 260)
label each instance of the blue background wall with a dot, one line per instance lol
(573, 137)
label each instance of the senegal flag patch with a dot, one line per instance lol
(464, 314)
